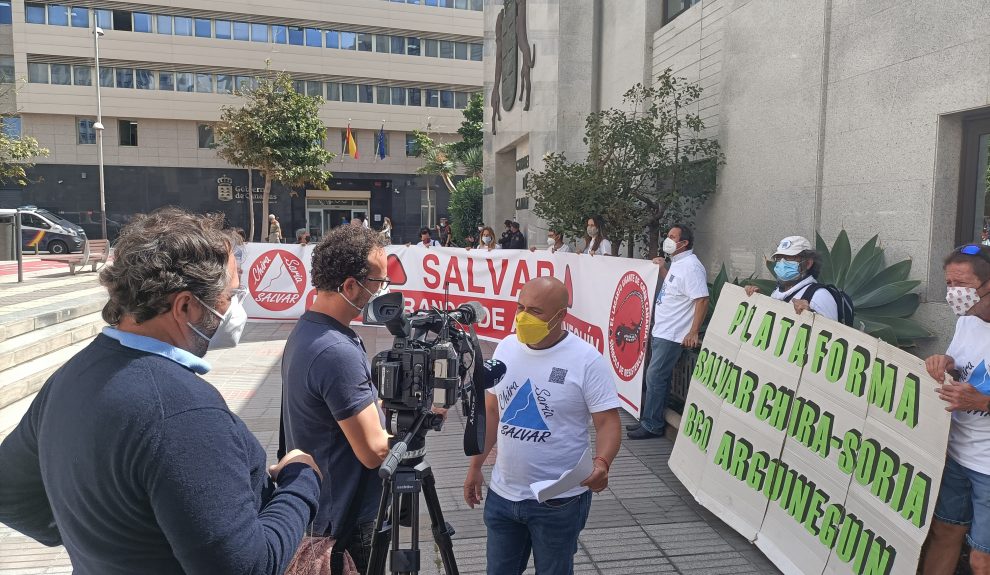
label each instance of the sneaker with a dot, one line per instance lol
(641, 433)
(633, 426)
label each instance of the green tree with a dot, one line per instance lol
(439, 158)
(277, 132)
(16, 153)
(472, 129)
(648, 165)
(465, 208)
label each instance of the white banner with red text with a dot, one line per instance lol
(609, 302)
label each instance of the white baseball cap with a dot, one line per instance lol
(792, 246)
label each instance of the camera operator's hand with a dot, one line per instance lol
(294, 456)
(598, 480)
(472, 487)
(441, 411)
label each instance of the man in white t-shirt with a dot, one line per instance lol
(963, 506)
(680, 309)
(796, 268)
(538, 415)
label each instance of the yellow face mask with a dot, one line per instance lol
(530, 329)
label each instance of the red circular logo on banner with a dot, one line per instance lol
(628, 325)
(277, 280)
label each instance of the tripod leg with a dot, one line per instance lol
(442, 531)
(382, 533)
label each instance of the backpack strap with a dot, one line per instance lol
(807, 294)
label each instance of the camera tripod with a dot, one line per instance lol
(405, 474)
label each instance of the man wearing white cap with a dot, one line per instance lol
(796, 267)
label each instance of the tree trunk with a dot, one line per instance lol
(632, 245)
(264, 206)
(250, 199)
(653, 233)
(449, 182)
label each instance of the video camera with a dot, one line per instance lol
(421, 372)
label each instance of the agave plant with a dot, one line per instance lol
(882, 298)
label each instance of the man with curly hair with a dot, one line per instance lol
(127, 456)
(329, 403)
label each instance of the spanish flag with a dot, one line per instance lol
(350, 146)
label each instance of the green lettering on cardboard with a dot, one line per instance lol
(699, 365)
(737, 319)
(881, 392)
(756, 475)
(850, 448)
(887, 464)
(797, 507)
(822, 444)
(741, 453)
(880, 561)
(744, 394)
(767, 393)
(907, 407)
(845, 547)
(836, 360)
(799, 350)
(762, 338)
(785, 327)
(744, 335)
(862, 550)
(723, 456)
(781, 408)
(834, 514)
(819, 351)
(818, 498)
(855, 377)
(916, 503)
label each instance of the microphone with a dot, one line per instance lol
(494, 372)
(486, 376)
(469, 313)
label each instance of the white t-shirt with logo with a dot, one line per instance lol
(969, 435)
(545, 404)
(604, 248)
(673, 312)
(821, 302)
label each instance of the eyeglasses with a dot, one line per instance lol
(383, 282)
(974, 250)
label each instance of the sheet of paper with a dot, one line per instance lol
(544, 490)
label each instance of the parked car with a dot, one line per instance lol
(89, 221)
(45, 231)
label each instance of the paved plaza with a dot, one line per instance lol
(645, 522)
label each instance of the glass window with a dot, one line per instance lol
(166, 81)
(412, 46)
(34, 13)
(78, 16)
(125, 77)
(398, 96)
(280, 34)
(6, 69)
(460, 50)
(446, 49)
(86, 133)
(128, 132)
(384, 95)
(314, 89)
(61, 74)
(366, 94)
(333, 39)
(414, 97)
(477, 5)
(223, 29)
(142, 22)
(348, 40)
(411, 148)
(242, 31)
(296, 36)
(460, 100)
(203, 27)
(122, 20)
(12, 126)
(348, 92)
(259, 32)
(430, 2)
(461, 4)
(144, 79)
(206, 139)
(446, 99)
(245, 84)
(477, 52)
(183, 26)
(6, 16)
(412, 1)
(430, 48)
(314, 38)
(432, 98)
(364, 42)
(299, 87)
(398, 44)
(163, 24)
(37, 73)
(185, 82)
(673, 8)
(106, 77)
(382, 44)
(204, 83)
(82, 75)
(58, 15)
(333, 91)
(225, 84)
(104, 19)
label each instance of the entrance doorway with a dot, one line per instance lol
(974, 203)
(327, 210)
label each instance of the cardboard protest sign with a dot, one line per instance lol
(610, 298)
(819, 443)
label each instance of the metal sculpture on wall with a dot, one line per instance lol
(511, 40)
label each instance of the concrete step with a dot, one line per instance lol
(25, 347)
(22, 380)
(18, 323)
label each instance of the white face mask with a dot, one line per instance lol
(232, 323)
(961, 299)
(486, 240)
(669, 246)
(551, 242)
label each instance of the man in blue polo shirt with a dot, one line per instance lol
(329, 404)
(130, 459)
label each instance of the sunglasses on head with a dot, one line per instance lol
(974, 250)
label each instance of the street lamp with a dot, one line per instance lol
(98, 126)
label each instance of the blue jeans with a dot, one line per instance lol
(964, 499)
(664, 356)
(550, 530)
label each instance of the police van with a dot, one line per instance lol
(42, 230)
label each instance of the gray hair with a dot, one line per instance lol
(163, 253)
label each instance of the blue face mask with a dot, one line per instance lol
(787, 271)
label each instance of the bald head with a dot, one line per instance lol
(545, 293)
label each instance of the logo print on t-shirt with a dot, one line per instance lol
(524, 411)
(980, 379)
